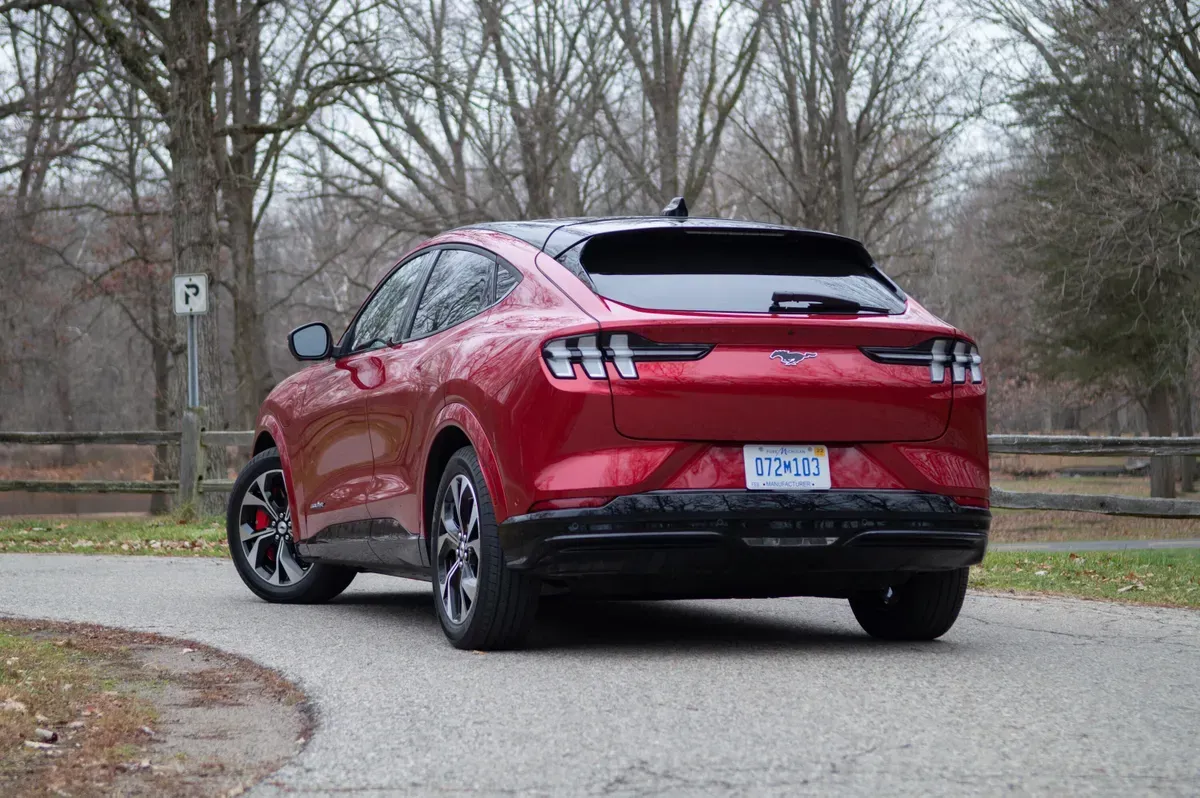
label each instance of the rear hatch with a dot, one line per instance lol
(782, 317)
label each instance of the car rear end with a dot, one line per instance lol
(782, 420)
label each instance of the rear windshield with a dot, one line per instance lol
(736, 272)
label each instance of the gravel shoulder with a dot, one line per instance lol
(769, 697)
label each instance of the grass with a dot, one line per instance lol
(164, 535)
(1164, 577)
(48, 683)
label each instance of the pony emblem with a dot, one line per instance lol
(789, 358)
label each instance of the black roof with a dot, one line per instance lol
(556, 236)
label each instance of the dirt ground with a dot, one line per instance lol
(90, 711)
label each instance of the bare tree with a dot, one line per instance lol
(49, 60)
(691, 62)
(420, 119)
(550, 77)
(278, 66)
(853, 118)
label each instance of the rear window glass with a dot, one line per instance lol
(735, 272)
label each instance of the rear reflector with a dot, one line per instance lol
(971, 501)
(577, 503)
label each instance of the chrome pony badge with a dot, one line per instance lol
(789, 358)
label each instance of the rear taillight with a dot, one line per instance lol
(937, 353)
(623, 350)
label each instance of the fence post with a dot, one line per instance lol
(191, 457)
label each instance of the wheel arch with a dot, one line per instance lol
(268, 432)
(457, 427)
(264, 441)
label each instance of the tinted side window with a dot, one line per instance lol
(506, 280)
(379, 323)
(458, 288)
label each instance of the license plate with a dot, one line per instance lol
(786, 467)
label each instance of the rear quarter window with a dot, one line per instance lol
(721, 271)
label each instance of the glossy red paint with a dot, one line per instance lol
(740, 393)
(356, 432)
(329, 442)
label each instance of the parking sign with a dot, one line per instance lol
(191, 294)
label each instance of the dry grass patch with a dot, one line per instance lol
(89, 711)
(65, 723)
(1021, 526)
(1112, 486)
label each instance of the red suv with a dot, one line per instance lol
(646, 407)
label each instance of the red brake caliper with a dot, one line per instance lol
(261, 520)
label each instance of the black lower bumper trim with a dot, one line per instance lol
(737, 536)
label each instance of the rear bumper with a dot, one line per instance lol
(749, 543)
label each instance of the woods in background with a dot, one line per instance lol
(1028, 168)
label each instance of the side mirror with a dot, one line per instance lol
(310, 342)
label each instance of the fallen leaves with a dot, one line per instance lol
(86, 545)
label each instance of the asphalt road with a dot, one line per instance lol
(780, 697)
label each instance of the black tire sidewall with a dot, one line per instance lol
(465, 462)
(928, 606)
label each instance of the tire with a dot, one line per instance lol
(923, 608)
(258, 494)
(505, 602)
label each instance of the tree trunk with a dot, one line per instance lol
(194, 233)
(239, 104)
(160, 358)
(249, 346)
(189, 118)
(1158, 420)
(842, 131)
(664, 97)
(193, 173)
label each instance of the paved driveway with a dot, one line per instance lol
(779, 697)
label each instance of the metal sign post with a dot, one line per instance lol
(191, 300)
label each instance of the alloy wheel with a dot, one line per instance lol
(458, 549)
(266, 532)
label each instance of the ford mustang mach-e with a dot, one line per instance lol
(645, 407)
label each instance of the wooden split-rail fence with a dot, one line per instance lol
(193, 439)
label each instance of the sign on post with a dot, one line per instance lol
(191, 294)
(191, 300)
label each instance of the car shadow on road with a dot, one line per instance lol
(565, 623)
